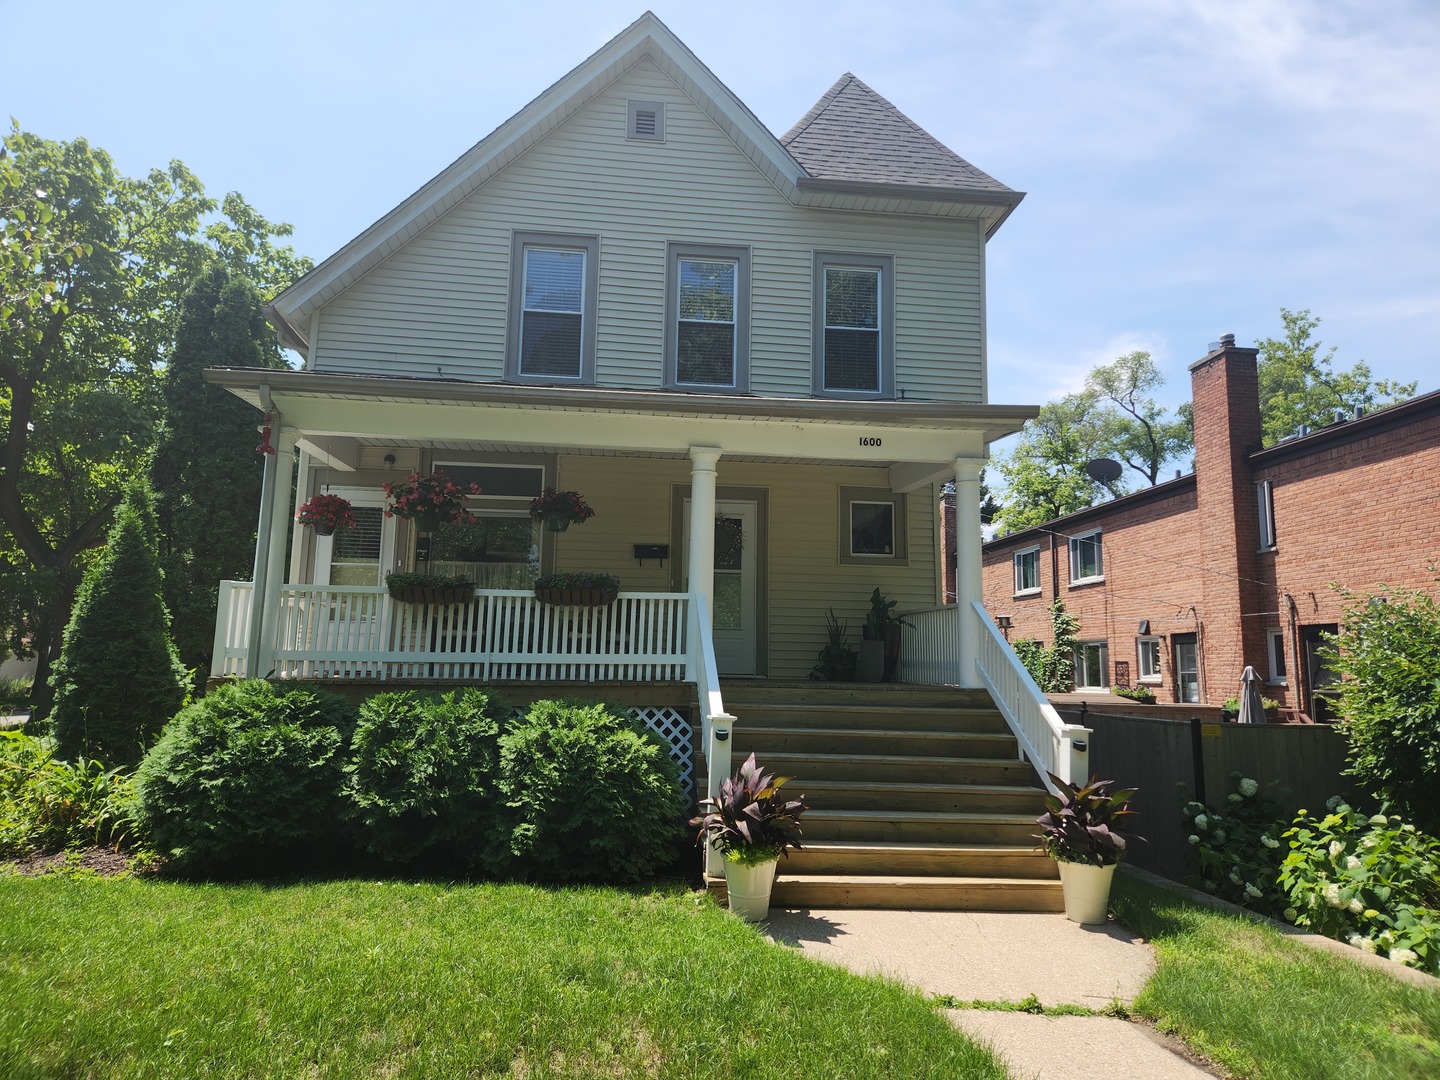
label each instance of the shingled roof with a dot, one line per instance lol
(854, 134)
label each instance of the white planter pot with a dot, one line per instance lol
(1087, 891)
(749, 888)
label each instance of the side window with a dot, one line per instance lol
(552, 308)
(1086, 563)
(1091, 666)
(1265, 505)
(1027, 572)
(872, 526)
(854, 335)
(1275, 640)
(1148, 655)
(707, 320)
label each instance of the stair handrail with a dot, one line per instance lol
(716, 723)
(1054, 747)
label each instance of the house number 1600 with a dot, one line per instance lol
(869, 440)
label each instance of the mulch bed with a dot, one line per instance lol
(97, 860)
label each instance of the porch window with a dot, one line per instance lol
(552, 307)
(854, 333)
(707, 317)
(1027, 572)
(872, 526)
(1091, 666)
(355, 556)
(496, 551)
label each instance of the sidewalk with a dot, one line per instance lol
(995, 956)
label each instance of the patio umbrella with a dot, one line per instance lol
(1252, 706)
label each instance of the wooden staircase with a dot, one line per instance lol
(918, 797)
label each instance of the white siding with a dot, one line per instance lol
(437, 308)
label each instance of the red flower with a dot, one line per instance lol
(433, 495)
(567, 504)
(329, 510)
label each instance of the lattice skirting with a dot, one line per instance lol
(673, 730)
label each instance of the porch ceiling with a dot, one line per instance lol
(496, 417)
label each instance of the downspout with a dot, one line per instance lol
(261, 575)
(1300, 672)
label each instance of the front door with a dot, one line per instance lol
(737, 601)
(1320, 677)
(358, 556)
(1187, 669)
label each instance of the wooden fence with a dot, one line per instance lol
(1159, 756)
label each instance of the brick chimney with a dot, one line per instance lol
(1226, 397)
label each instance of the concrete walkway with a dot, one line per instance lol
(994, 956)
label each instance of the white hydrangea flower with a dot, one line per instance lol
(1369, 946)
(1201, 821)
(1352, 939)
(1233, 797)
(1269, 841)
(1356, 907)
(1378, 819)
(1385, 938)
(1219, 836)
(1352, 863)
(1291, 914)
(1332, 802)
(1368, 842)
(1332, 895)
(1194, 839)
(1405, 956)
(1336, 849)
(1192, 807)
(1251, 890)
(1248, 787)
(1235, 878)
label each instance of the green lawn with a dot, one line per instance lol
(1269, 1008)
(132, 978)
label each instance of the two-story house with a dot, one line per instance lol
(634, 290)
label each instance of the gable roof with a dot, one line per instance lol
(919, 181)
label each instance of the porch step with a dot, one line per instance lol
(740, 692)
(870, 794)
(849, 715)
(943, 860)
(764, 741)
(919, 827)
(912, 892)
(919, 769)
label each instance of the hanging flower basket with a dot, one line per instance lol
(430, 501)
(325, 514)
(585, 589)
(561, 509)
(430, 588)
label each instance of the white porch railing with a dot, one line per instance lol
(931, 654)
(328, 631)
(716, 723)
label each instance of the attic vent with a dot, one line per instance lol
(645, 120)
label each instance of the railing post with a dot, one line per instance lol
(717, 765)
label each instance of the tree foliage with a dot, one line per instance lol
(206, 473)
(1389, 652)
(1113, 416)
(1053, 668)
(92, 267)
(1299, 385)
(118, 680)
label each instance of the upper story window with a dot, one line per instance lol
(854, 341)
(1086, 563)
(1027, 572)
(552, 307)
(707, 323)
(1265, 504)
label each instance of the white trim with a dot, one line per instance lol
(1031, 590)
(1094, 535)
(1158, 675)
(1275, 648)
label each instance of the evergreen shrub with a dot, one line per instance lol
(246, 773)
(589, 795)
(421, 776)
(118, 679)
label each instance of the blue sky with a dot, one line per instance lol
(1191, 167)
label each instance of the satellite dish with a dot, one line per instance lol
(1103, 470)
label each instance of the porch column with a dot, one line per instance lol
(702, 527)
(278, 531)
(968, 585)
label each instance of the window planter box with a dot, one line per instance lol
(576, 597)
(430, 594)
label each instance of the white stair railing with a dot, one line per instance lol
(717, 725)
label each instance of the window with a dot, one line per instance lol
(1265, 498)
(854, 342)
(552, 307)
(872, 526)
(1027, 572)
(1085, 561)
(1148, 654)
(1275, 641)
(1091, 666)
(523, 482)
(496, 551)
(645, 120)
(707, 317)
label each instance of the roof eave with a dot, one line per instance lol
(998, 205)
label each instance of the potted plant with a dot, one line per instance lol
(578, 588)
(1085, 830)
(325, 514)
(1143, 694)
(429, 500)
(836, 662)
(752, 824)
(560, 509)
(880, 640)
(425, 588)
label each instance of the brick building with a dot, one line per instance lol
(1181, 585)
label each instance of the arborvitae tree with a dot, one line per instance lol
(206, 472)
(118, 680)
